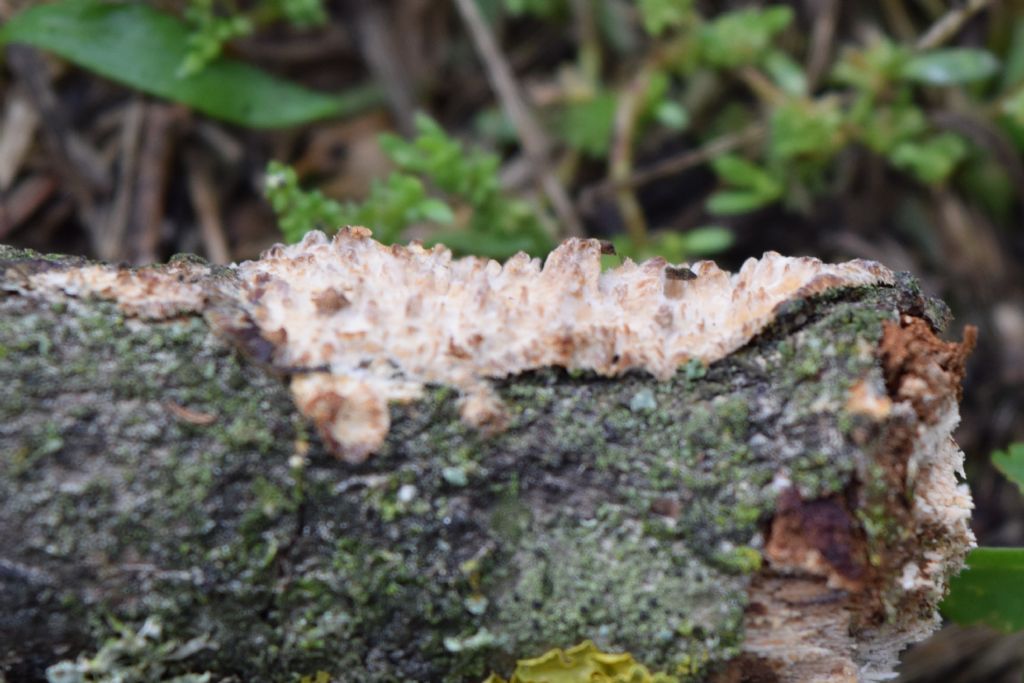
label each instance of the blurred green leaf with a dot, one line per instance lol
(545, 9)
(133, 44)
(806, 128)
(742, 36)
(735, 170)
(394, 204)
(498, 225)
(733, 116)
(659, 16)
(1013, 106)
(626, 247)
(885, 127)
(738, 171)
(871, 67)
(672, 115)
(725, 202)
(989, 591)
(492, 246)
(1011, 463)
(587, 125)
(301, 13)
(931, 160)
(786, 72)
(675, 246)
(1013, 66)
(707, 240)
(950, 66)
(436, 210)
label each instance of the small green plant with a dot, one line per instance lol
(736, 83)
(212, 25)
(774, 132)
(474, 216)
(871, 100)
(209, 34)
(394, 204)
(990, 590)
(1011, 463)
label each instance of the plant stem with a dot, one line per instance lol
(949, 23)
(620, 162)
(534, 140)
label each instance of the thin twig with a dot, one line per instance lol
(534, 140)
(201, 189)
(677, 164)
(588, 39)
(161, 130)
(949, 24)
(620, 161)
(18, 203)
(380, 50)
(823, 36)
(17, 133)
(761, 85)
(112, 245)
(78, 164)
(900, 23)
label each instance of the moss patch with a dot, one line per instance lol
(625, 511)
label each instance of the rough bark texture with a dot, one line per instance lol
(752, 520)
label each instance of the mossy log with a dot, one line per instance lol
(789, 512)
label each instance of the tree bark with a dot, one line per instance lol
(790, 512)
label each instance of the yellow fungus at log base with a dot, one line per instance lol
(583, 663)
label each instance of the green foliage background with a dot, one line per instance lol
(879, 94)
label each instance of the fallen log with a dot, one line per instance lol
(385, 464)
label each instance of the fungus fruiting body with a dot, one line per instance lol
(401, 317)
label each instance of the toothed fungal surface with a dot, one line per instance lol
(386, 321)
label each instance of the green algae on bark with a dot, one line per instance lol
(149, 472)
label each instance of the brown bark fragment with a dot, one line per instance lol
(819, 537)
(919, 366)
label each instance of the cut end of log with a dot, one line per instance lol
(855, 578)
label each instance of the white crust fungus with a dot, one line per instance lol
(152, 294)
(383, 321)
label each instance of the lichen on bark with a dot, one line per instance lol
(150, 472)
